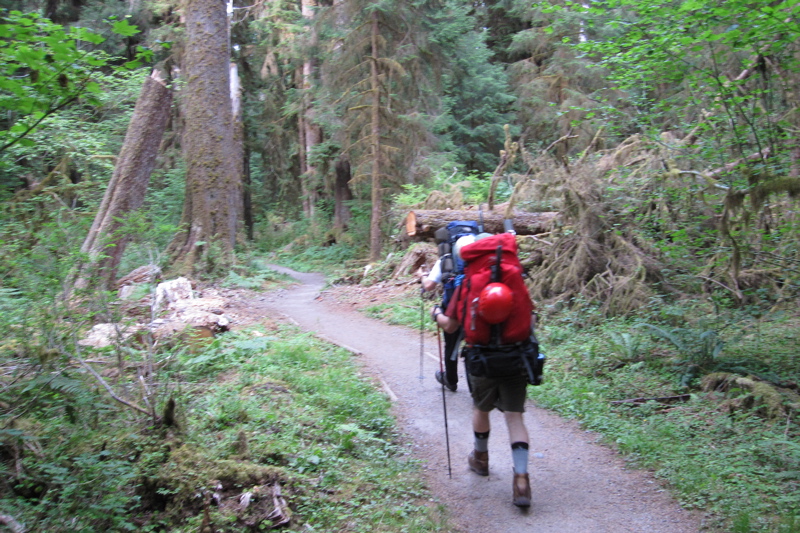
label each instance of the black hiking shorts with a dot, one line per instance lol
(506, 394)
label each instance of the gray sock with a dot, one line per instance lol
(481, 442)
(519, 453)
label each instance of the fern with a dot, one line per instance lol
(54, 383)
(626, 345)
(698, 348)
(666, 335)
(66, 385)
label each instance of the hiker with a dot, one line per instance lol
(494, 324)
(451, 340)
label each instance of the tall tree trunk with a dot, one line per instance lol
(213, 203)
(247, 197)
(375, 220)
(238, 136)
(128, 185)
(342, 194)
(311, 133)
(301, 139)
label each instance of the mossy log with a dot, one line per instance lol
(751, 394)
(422, 224)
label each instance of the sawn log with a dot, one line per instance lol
(422, 224)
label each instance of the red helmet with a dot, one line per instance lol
(495, 303)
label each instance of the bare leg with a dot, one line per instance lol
(480, 421)
(517, 432)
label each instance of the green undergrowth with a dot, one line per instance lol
(290, 402)
(256, 276)
(409, 310)
(286, 401)
(720, 451)
(330, 258)
(269, 424)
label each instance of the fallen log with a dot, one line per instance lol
(660, 399)
(423, 223)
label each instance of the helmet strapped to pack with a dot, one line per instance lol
(495, 303)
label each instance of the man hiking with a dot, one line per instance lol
(451, 339)
(494, 309)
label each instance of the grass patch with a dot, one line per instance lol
(404, 312)
(298, 406)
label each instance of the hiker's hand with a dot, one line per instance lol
(435, 312)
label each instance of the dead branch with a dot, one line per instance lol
(537, 239)
(763, 154)
(659, 399)
(507, 158)
(108, 388)
(585, 153)
(561, 139)
(736, 292)
(9, 521)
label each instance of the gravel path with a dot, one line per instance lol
(578, 485)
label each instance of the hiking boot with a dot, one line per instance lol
(479, 462)
(440, 377)
(522, 490)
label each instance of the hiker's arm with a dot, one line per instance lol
(430, 281)
(427, 284)
(448, 324)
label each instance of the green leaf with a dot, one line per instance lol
(123, 28)
(83, 34)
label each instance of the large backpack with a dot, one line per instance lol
(452, 265)
(507, 348)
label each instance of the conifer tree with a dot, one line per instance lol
(478, 101)
(213, 204)
(378, 78)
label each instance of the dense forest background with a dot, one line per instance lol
(186, 137)
(342, 110)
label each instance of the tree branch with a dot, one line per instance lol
(108, 388)
(11, 523)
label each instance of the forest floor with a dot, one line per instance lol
(578, 484)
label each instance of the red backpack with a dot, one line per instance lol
(481, 258)
(498, 339)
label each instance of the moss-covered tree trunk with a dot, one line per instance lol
(105, 244)
(375, 220)
(213, 204)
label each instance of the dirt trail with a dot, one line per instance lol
(578, 485)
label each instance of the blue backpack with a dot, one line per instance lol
(452, 266)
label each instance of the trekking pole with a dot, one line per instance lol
(444, 401)
(421, 330)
